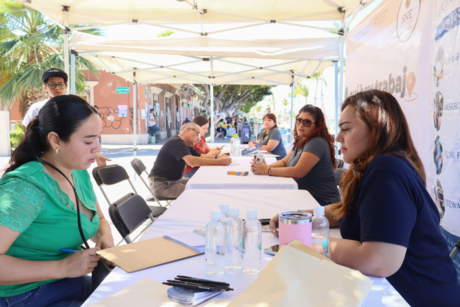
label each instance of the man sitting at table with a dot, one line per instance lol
(166, 177)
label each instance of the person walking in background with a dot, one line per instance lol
(312, 159)
(201, 146)
(229, 119)
(221, 128)
(152, 124)
(270, 137)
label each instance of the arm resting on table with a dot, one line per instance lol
(306, 162)
(370, 258)
(199, 161)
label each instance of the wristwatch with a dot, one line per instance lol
(216, 156)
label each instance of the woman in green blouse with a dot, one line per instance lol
(38, 217)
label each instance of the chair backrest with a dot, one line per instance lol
(338, 173)
(128, 213)
(110, 174)
(138, 166)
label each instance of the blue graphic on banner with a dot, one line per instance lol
(448, 23)
(451, 241)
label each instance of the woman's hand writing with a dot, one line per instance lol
(80, 263)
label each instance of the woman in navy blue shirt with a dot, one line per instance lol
(388, 221)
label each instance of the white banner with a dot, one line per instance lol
(445, 117)
(388, 51)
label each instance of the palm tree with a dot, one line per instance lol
(316, 77)
(29, 44)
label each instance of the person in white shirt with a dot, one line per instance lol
(152, 124)
(55, 84)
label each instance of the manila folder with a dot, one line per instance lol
(146, 254)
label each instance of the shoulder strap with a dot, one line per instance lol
(85, 242)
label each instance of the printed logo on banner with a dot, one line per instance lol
(439, 198)
(403, 85)
(407, 18)
(438, 107)
(438, 155)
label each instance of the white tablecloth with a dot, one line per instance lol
(192, 210)
(216, 177)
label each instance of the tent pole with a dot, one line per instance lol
(211, 120)
(292, 112)
(73, 89)
(342, 45)
(134, 113)
(336, 115)
(66, 41)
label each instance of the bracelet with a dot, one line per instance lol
(270, 171)
(216, 156)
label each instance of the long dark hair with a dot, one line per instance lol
(383, 115)
(272, 117)
(62, 115)
(321, 130)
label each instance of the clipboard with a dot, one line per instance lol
(146, 254)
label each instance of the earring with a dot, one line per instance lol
(57, 150)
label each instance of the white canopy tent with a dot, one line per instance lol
(205, 13)
(169, 13)
(208, 60)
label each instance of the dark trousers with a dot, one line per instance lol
(220, 129)
(153, 129)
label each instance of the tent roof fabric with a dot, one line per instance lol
(207, 60)
(103, 12)
(286, 49)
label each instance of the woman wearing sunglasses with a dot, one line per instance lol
(387, 219)
(270, 137)
(311, 162)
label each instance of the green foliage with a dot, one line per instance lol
(29, 44)
(256, 94)
(16, 135)
(166, 33)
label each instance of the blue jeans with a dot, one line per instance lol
(153, 129)
(190, 174)
(67, 292)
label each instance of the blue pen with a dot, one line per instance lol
(66, 250)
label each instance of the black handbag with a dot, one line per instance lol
(101, 271)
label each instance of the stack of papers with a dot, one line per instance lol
(188, 239)
(190, 297)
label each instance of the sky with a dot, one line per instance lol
(324, 96)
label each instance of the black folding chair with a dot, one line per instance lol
(128, 213)
(140, 168)
(113, 174)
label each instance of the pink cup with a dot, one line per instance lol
(295, 225)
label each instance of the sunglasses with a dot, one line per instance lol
(305, 122)
(52, 86)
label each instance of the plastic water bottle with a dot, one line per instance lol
(320, 232)
(224, 210)
(252, 244)
(235, 145)
(214, 248)
(233, 240)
